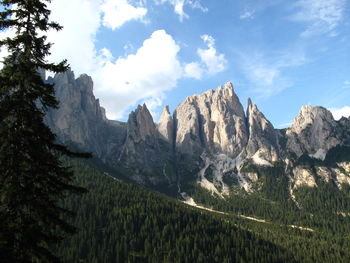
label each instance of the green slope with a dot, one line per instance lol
(121, 222)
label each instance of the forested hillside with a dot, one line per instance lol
(121, 222)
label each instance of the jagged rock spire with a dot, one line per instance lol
(165, 125)
(263, 141)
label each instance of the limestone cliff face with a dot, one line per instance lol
(263, 140)
(143, 154)
(80, 119)
(165, 126)
(213, 121)
(141, 127)
(314, 131)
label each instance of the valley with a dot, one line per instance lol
(289, 188)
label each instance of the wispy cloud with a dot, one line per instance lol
(179, 6)
(337, 95)
(321, 16)
(267, 71)
(247, 14)
(197, 5)
(346, 84)
(284, 125)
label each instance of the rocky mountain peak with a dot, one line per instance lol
(263, 140)
(86, 83)
(80, 119)
(64, 78)
(142, 151)
(226, 97)
(227, 91)
(310, 115)
(252, 109)
(212, 121)
(250, 103)
(314, 131)
(165, 125)
(140, 124)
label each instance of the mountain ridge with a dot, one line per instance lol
(208, 139)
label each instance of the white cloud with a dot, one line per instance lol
(193, 70)
(322, 16)
(148, 73)
(76, 41)
(118, 12)
(213, 61)
(145, 75)
(180, 4)
(210, 61)
(247, 15)
(119, 83)
(340, 112)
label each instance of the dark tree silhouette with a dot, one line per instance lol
(33, 180)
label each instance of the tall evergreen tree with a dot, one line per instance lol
(32, 178)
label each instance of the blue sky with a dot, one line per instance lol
(281, 53)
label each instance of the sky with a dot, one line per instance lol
(281, 53)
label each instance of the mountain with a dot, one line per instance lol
(264, 194)
(81, 120)
(208, 142)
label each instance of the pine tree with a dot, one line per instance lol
(33, 180)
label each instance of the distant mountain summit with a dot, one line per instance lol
(209, 140)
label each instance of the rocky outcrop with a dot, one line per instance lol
(263, 139)
(141, 127)
(143, 155)
(342, 174)
(213, 121)
(303, 177)
(165, 125)
(80, 120)
(314, 131)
